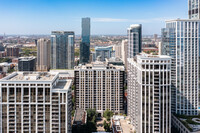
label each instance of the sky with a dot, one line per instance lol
(108, 17)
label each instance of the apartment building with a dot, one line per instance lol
(99, 86)
(35, 102)
(194, 9)
(149, 93)
(43, 54)
(180, 40)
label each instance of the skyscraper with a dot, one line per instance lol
(62, 50)
(181, 40)
(118, 50)
(85, 42)
(134, 40)
(99, 86)
(149, 93)
(124, 52)
(43, 54)
(194, 9)
(35, 102)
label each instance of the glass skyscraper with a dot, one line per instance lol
(85, 43)
(62, 50)
(134, 40)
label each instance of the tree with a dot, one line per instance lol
(106, 126)
(73, 87)
(73, 111)
(91, 114)
(91, 120)
(108, 114)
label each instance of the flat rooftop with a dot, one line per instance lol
(30, 76)
(185, 20)
(26, 58)
(80, 117)
(147, 56)
(63, 85)
(121, 124)
(99, 65)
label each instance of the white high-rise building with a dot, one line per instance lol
(181, 41)
(134, 40)
(99, 86)
(149, 93)
(194, 9)
(35, 102)
(43, 54)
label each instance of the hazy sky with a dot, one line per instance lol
(108, 16)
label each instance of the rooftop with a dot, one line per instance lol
(80, 117)
(186, 20)
(121, 124)
(192, 123)
(98, 65)
(147, 56)
(30, 76)
(64, 73)
(104, 48)
(26, 58)
(114, 59)
(63, 85)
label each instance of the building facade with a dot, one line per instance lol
(134, 40)
(62, 50)
(85, 42)
(149, 93)
(12, 51)
(118, 50)
(101, 53)
(27, 64)
(99, 86)
(35, 102)
(124, 52)
(43, 54)
(194, 9)
(181, 38)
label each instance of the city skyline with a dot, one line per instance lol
(104, 19)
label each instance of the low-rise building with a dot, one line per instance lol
(121, 124)
(79, 121)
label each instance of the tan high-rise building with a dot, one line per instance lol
(43, 54)
(124, 51)
(118, 52)
(99, 86)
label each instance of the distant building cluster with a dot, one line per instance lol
(140, 84)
